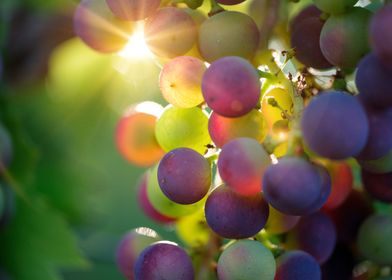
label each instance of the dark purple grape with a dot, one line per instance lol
(170, 32)
(335, 125)
(234, 216)
(6, 148)
(379, 186)
(379, 141)
(133, 9)
(310, 11)
(381, 35)
(314, 234)
(326, 186)
(129, 248)
(184, 176)
(293, 186)
(164, 260)
(344, 37)
(350, 215)
(297, 265)
(241, 165)
(230, 2)
(305, 39)
(374, 81)
(231, 86)
(340, 265)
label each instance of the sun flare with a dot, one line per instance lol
(136, 46)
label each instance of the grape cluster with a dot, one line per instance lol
(273, 157)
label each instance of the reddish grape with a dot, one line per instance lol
(133, 9)
(310, 11)
(231, 86)
(170, 32)
(234, 216)
(184, 176)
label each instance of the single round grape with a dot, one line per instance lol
(334, 6)
(130, 246)
(297, 265)
(374, 238)
(230, 2)
(292, 186)
(380, 34)
(342, 183)
(279, 223)
(193, 229)
(325, 189)
(335, 125)
(231, 86)
(344, 38)
(246, 259)
(305, 39)
(271, 113)
(6, 147)
(349, 216)
(228, 34)
(180, 81)
(163, 260)
(135, 138)
(95, 24)
(314, 234)
(373, 80)
(241, 165)
(170, 32)
(379, 186)
(234, 216)
(184, 176)
(163, 204)
(310, 11)
(146, 205)
(379, 142)
(133, 9)
(223, 129)
(179, 127)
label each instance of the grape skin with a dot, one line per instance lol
(133, 9)
(380, 34)
(163, 260)
(335, 125)
(233, 216)
(310, 11)
(246, 259)
(231, 86)
(230, 2)
(279, 223)
(297, 265)
(184, 176)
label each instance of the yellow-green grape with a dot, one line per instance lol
(180, 81)
(193, 229)
(273, 114)
(281, 150)
(163, 204)
(183, 128)
(278, 222)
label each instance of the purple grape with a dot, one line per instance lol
(234, 216)
(335, 125)
(314, 234)
(184, 176)
(241, 165)
(379, 186)
(379, 141)
(374, 81)
(381, 34)
(130, 246)
(163, 260)
(310, 11)
(231, 86)
(326, 186)
(133, 9)
(305, 39)
(297, 265)
(344, 37)
(293, 186)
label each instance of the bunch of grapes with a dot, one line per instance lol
(254, 161)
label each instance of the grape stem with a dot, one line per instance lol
(215, 8)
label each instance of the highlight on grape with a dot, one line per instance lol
(272, 156)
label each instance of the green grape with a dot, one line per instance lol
(334, 6)
(187, 128)
(246, 259)
(163, 204)
(193, 229)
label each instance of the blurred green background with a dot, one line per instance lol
(60, 101)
